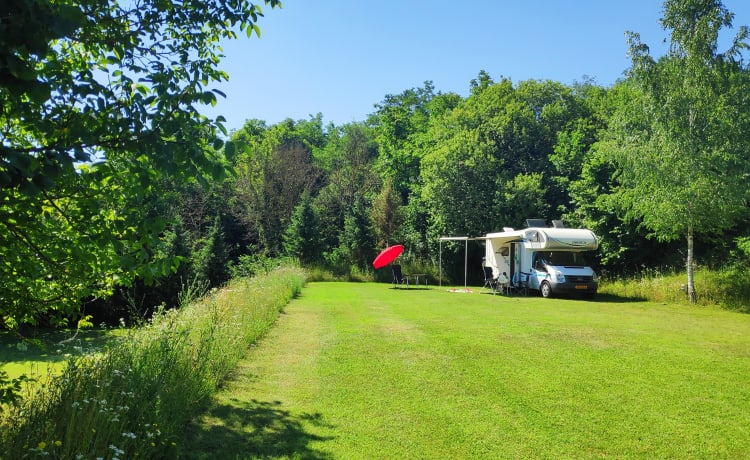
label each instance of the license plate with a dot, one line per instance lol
(581, 286)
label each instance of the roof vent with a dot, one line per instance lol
(536, 223)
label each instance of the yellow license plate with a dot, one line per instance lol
(581, 286)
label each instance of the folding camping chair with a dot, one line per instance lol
(398, 277)
(521, 282)
(503, 283)
(490, 280)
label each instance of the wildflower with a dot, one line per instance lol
(42, 445)
(58, 443)
(129, 435)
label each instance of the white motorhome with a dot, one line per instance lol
(547, 259)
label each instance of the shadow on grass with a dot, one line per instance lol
(599, 298)
(254, 429)
(613, 298)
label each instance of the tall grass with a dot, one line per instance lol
(325, 273)
(134, 399)
(728, 287)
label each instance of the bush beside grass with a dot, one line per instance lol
(134, 399)
(728, 288)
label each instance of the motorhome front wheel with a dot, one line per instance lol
(545, 289)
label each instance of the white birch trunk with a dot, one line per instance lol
(690, 281)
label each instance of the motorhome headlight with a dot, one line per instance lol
(560, 277)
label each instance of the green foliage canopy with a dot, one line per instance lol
(98, 99)
(680, 140)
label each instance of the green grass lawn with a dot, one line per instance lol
(365, 371)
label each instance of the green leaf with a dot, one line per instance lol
(201, 180)
(230, 150)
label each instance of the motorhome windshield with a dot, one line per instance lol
(562, 258)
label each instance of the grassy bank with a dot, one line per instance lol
(363, 371)
(134, 399)
(728, 287)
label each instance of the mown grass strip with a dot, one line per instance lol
(364, 371)
(134, 399)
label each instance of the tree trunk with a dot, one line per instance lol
(690, 282)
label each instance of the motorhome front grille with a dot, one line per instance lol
(578, 279)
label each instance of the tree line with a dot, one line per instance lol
(656, 165)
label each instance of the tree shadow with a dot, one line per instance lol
(254, 429)
(613, 298)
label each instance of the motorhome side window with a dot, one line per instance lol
(568, 259)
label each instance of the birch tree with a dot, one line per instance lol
(680, 143)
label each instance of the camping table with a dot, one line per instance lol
(415, 277)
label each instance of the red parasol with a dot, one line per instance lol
(387, 256)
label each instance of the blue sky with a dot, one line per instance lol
(340, 57)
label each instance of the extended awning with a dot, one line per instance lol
(466, 240)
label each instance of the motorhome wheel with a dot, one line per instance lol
(545, 289)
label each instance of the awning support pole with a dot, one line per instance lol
(440, 258)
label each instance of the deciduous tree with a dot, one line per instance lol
(98, 99)
(681, 140)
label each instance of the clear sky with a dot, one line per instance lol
(340, 57)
